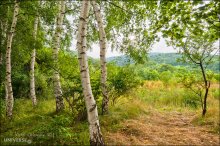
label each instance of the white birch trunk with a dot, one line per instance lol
(33, 56)
(4, 27)
(92, 113)
(102, 43)
(1, 43)
(6, 93)
(56, 47)
(10, 98)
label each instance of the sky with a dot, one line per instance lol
(158, 47)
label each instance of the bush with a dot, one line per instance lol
(191, 100)
(217, 77)
(165, 77)
(121, 80)
(148, 74)
(165, 67)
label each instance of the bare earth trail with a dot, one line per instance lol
(169, 128)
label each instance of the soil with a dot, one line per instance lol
(167, 128)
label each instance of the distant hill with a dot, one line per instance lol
(120, 60)
(162, 58)
(166, 58)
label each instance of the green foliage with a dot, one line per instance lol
(191, 100)
(165, 77)
(189, 78)
(216, 94)
(217, 77)
(42, 85)
(121, 80)
(41, 126)
(148, 74)
(165, 67)
(163, 62)
(127, 20)
(127, 31)
(2, 108)
(20, 84)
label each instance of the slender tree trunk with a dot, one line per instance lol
(33, 55)
(205, 102)
(6, 93)
(10, 98)
(56, 47)
(207, 85)
(1, 45)
(92, 112)
(1, 59)
(4, 28)
(102, 42)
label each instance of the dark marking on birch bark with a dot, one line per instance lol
(93, 107)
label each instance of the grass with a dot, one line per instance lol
(176, 98)
(41, 126)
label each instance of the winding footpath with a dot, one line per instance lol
(167, 128)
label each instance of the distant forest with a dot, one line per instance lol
(164, 58)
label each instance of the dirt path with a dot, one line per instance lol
(162, 129)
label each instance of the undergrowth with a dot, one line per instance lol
(42, 126)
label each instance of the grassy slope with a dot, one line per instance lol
(41, 126)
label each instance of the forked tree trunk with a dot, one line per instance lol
(102, 42)
(92, 113)
(10, 98)
(33, 55)
(56, 47)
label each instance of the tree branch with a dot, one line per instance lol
(7, 4)
(119, 7)
(188, 54)
(211, 58)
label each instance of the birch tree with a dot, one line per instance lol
(10, 99)
(3, 32)
(56, 47)
(33, 56)
(92, 112)
(102, 42)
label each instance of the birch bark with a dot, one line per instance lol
(102, 42)
(1, 45)
(92, 113)
(56, 47)
(33, 56)
(10, 98)
(4, 27)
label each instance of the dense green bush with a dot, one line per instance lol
(165, 67)
(191, 100)
(165, 77)
(121, 80)
(217, 77)
(148, 74)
